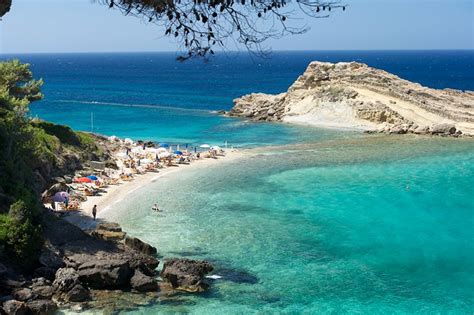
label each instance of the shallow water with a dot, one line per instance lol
(373, 224)
(316, 220)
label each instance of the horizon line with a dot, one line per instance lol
(234, 51)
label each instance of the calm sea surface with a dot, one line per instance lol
(310, 221)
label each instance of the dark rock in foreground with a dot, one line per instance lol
(186, 274)
(143, 283)
(140, 246)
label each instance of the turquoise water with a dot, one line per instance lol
(368, 225)
(309, 221)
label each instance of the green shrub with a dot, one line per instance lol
(19, 242)
(65, 134)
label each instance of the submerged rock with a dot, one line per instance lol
(186, 274)
(140, 246)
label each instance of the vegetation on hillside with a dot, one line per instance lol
(31, 151)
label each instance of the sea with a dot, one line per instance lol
(309, 220)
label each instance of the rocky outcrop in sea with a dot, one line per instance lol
(354, 95)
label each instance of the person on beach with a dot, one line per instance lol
(66, 202)
(94, 211)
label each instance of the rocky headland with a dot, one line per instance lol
(354, 95)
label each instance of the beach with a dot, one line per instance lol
(114, 194)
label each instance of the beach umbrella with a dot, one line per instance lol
(164, 145)
(164, 155)
(178, 152)
(83, 180)
(205, 146)
(93, 177)
(60, 196)
(215, 147)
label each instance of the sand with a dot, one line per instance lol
(115, 193)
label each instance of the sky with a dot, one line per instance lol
(84, 26)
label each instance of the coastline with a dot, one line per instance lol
(116, 193)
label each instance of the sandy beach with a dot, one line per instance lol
(113, 194)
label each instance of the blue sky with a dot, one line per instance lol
(84, 26)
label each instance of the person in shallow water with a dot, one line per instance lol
(94, 211)
(155, 208)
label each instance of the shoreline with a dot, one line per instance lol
(114, 194)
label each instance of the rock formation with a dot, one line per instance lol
(186, 274)
(354, 95)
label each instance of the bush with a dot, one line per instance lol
(19, 242)
(21, 211)
(65, 134)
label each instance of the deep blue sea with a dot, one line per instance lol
(309, 221)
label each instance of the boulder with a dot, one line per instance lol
(23, 294)
(186, 274)
(43, 292)
(42, 307)
(443, 128)
(108, 235)
(106, 274)
(271, 112)
(13, 307)
(140, 246)
(143, 283)
(78, 294)
(66, 279)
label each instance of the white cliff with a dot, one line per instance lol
(354, 95)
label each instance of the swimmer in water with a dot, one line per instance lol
(155, 208)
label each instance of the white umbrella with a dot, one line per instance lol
(215, 147)
(164, 155)
(206, 146)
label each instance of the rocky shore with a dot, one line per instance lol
(354, 95)
(101, 268)
(79, 270)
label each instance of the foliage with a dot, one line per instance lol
(20, 241)
(29, 149)
(23, 149)
(199, 26)
(65, 134)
